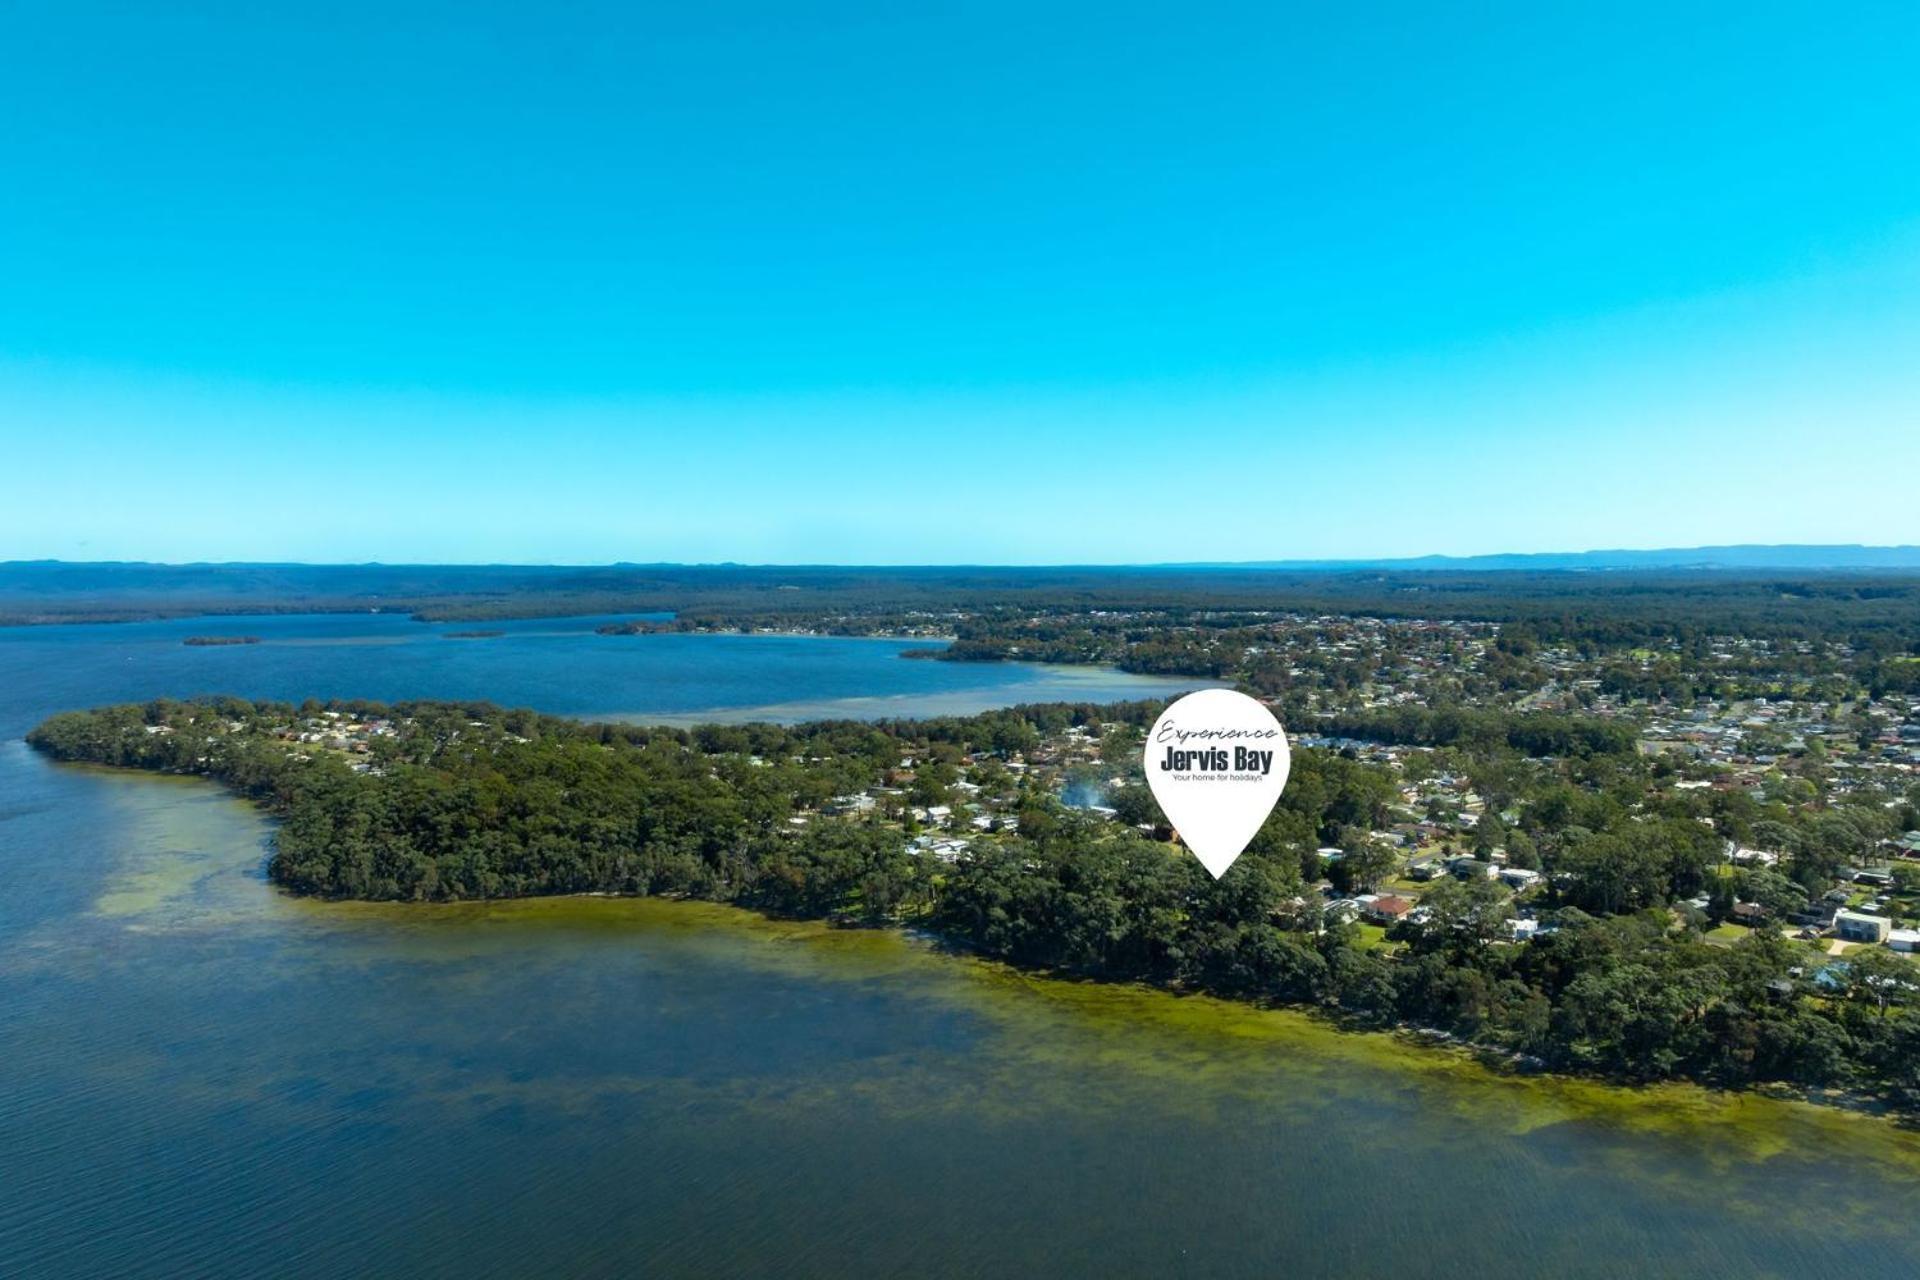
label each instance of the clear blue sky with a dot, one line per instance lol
(1021, 283)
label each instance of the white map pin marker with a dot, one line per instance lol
(1217, 761)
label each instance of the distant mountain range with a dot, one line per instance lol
(1795, 556)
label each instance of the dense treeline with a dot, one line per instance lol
(1476, 729)
(1627, 996)
(1879, 612)
(464, 801)
(468, 801)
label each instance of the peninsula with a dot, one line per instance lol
(1591, 941)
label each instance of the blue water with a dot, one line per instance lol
(201, 1077)
(555, 665)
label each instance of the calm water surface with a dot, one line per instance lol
(201, 1077)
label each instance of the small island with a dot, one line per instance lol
(208, 642)
(471, 635)
(647, 627)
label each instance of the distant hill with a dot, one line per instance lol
(1746, 556)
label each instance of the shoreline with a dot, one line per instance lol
(1217, 1045)
(782, 634)
(1757, 1124)
(924, 706)
(1441, 1049)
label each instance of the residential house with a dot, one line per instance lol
(1817, 915)
(1388, 909)
(1857, 926)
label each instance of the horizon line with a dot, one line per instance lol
(1429, 560)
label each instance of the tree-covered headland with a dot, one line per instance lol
(1581, 918)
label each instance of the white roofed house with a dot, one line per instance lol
(1857, 926)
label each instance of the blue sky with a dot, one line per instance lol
(999, 282)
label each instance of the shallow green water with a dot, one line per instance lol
(205, 1077)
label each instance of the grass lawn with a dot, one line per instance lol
(1370, 937)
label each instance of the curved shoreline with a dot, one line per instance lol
(1424, 1055)
(1221, 1054)
(922, 706)
(1208, 1038)
(266, 773)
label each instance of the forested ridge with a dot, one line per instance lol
(1615, 609)
(445, 801)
